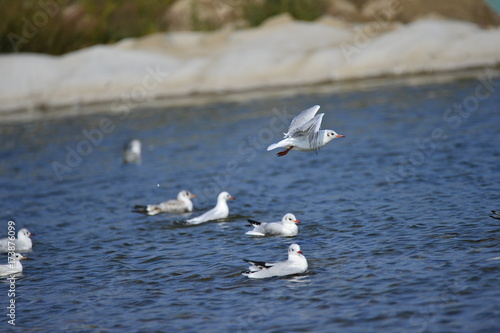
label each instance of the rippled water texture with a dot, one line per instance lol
(394, 217)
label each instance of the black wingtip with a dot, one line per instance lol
(496, 215)
(253, 222)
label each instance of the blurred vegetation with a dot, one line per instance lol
(61, 26)
(117, 19)
(306, 10)
(19, 32)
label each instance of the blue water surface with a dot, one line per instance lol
(395, 221)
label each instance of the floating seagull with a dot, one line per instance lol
(295, 264)
(304, 133)
(14, 265)
(496, 215)
(286, 227)
(132, 151)
(182, 204)
(220, 211)
(21, 244)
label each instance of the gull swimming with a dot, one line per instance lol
(14, 265)
(21, 244)
(496, 215)
(286, 227)
(295, 264)
(182, 204)
(220, 211)
(132, 151)
(304, 133)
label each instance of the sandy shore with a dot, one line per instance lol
(280, 53)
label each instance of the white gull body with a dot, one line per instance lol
(14, 265)
(286, 227)
(304, 133)
(295, 264)
(132, 151)
(21, 243)
(220, 211)
(182, 204)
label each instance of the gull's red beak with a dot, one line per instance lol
(192, 196)
(31, 235)
(232, 198)
(340, 136)
(296, 221)
(299, 252)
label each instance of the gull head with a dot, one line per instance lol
(294, 249)
(17, 257)
(224, 196)
(135, 146)
(186, 194)
(290, 218)
(24, 233)
(330, 135)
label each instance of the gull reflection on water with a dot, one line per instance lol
(302, 279)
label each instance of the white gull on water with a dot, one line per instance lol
(182, 204)
(295, 264)
(14, 265)
(496, 215)
(21, 244)
(304, 133)
(132, 151)
(220, 211)
(286, 227)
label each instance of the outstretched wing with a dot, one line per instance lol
(311, 130)
(301, 119)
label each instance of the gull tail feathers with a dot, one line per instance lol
(254, 223)
(140, 209)
(496, 215)
(273, 146)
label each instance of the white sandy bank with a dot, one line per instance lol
(281, 53)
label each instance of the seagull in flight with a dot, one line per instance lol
(304, 133)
